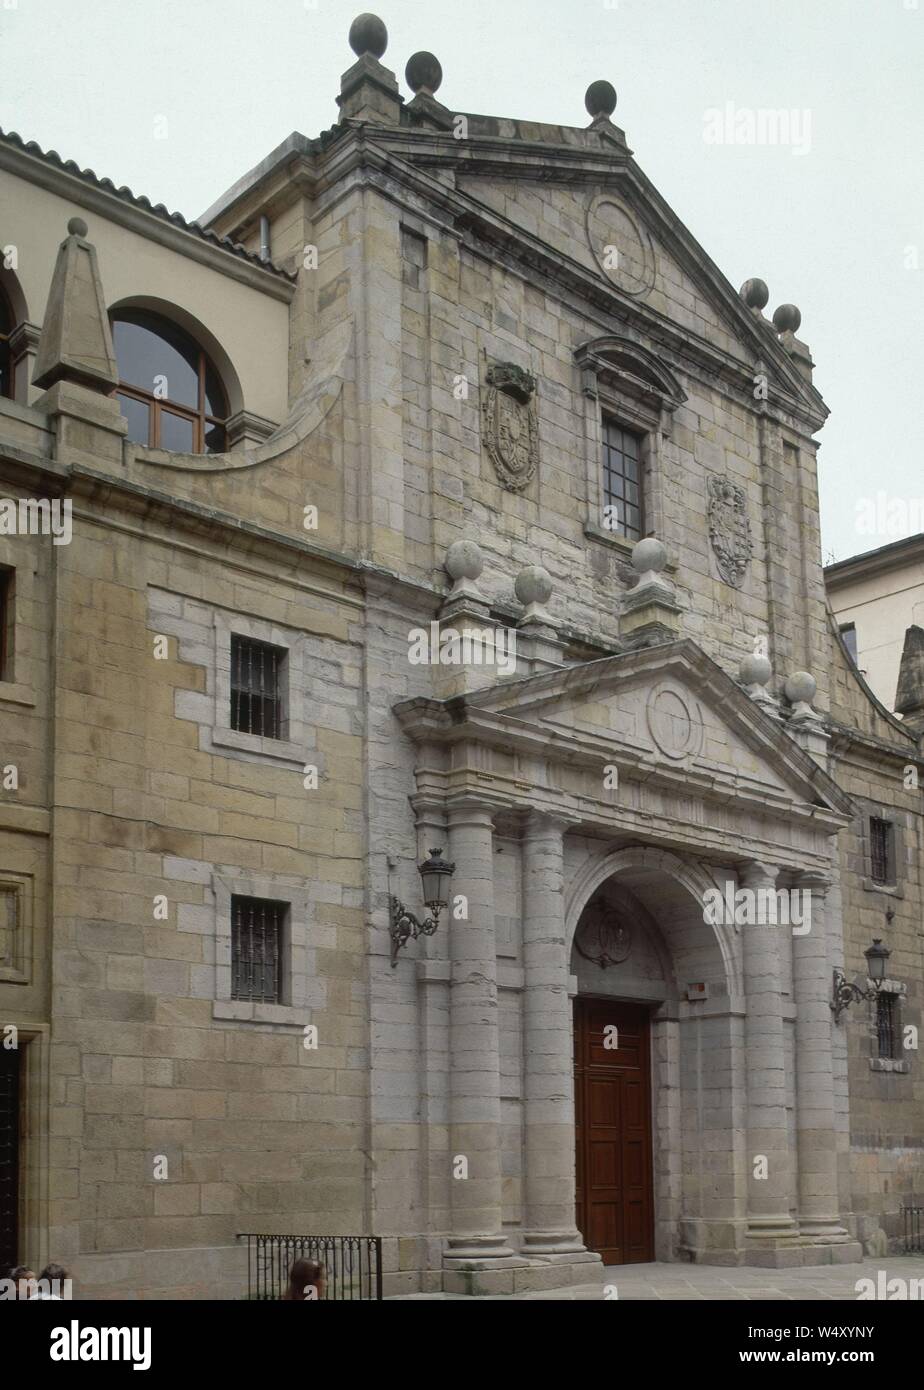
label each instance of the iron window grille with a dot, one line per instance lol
(887, 1026)
(881, 854)
(622, 487)
(257, 927)
(256, 687)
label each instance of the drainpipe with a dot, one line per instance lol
(264, 239)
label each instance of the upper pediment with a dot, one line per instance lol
(619, 231)
(665, 713)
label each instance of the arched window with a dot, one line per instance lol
(169, 392)
(7, 324)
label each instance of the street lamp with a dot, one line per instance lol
(435, 873)
(846, 993)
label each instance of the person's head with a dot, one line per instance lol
(55, 1277)
(306, 1281)
(24, 1279)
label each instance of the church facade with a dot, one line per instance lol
(437, 802)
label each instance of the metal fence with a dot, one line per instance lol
(912, 1230)
(352, 1264)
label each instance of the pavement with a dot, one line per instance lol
(670, 1282)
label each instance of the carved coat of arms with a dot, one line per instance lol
(729, 530)
(602, 937)
(511, 429)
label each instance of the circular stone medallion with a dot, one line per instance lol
(674, 722)
(621, 248)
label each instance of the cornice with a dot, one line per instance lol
(121, 207)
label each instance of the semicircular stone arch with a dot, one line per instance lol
(672, 890)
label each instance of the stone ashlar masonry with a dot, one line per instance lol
(435, 258)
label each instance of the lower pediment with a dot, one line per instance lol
(664, 716)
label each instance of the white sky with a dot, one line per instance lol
(838, 230)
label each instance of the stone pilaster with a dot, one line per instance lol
(770, 1224)
(474, 1075)
(819, 1219)
(548, 1046)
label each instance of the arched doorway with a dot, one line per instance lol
(655, 1130)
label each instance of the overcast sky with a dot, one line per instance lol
(832, 220)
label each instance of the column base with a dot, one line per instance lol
(477, 1248)
(771, 1228)
(553, 1243)
(823, 1229)
(520, 1276)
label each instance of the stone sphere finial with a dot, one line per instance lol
(533, 585)
(787, 318)
(755, 670)
(368, 35)
(800, 688)
(600, 99)
(423, 73)
(77, 227)
(755, 293)
(649, 554)
(464, 560)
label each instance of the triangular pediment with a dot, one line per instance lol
(623, 234)
(664, 712)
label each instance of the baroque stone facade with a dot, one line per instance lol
(656, 742)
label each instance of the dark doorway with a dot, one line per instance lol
(9, 1158)
(612, 1103)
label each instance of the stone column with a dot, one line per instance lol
(770, 1198)
(548, 1045)
(474, 1070)
(816, 1140)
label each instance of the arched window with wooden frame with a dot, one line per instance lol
(169, 391)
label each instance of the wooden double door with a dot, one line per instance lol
(612, 1103)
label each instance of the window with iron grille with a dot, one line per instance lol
(881, 850)
(887, 1026)
(257, 926)
(257, 671)
(622, 486)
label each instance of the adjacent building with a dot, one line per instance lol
(434, 499)
(878, 600)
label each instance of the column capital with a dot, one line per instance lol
(758, 874)
(816, 881)
(537, 821)
(468, 808)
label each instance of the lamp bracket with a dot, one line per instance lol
(404, 925)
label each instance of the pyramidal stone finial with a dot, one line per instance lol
(909, 697)
(76, 340)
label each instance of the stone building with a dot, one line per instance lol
(878, 601)
(434, 490)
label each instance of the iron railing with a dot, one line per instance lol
(913, 1230)
(352, 1264)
